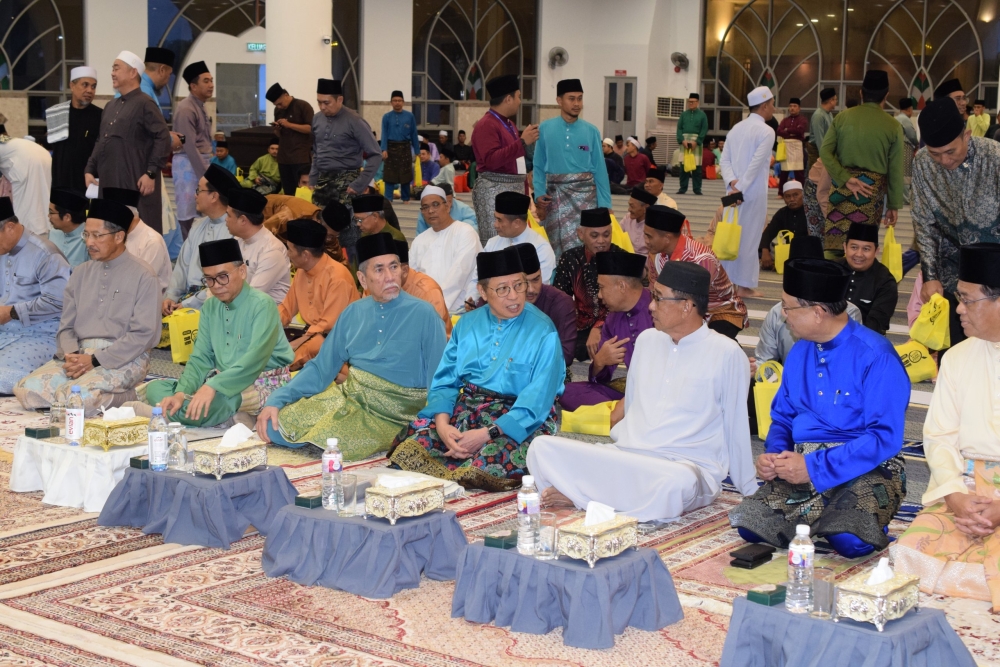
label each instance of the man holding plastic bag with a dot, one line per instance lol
(872, 288)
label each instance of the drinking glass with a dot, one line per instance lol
(349, 483)
(823, 592)
(545, 545)
(57, 415)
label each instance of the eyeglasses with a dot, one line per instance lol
(427, 207)
(659, 298)
(206, 191)
(356, 220)
(519, 287)
(221, 279)
(965, 302)
(785, 309)
(86, 236)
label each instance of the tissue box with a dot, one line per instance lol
(140, 462)
(115, 432)
(768, 595)
(309, 502)
(502, 540)
(211, 458)
(411, 500)
(880, 603)
(603, 540)
(42, 433)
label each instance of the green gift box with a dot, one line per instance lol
(41, 433)
(768, 595)
(310, 502)
(140, 462)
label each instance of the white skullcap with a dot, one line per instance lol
(759, 95)
(634, 142)
(420, 137)
(443, 133)
(131, 60)
(433, 190)
(791, 185)
(81, 72)
(609, 142)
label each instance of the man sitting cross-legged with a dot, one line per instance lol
(321, 288)
(239, 356)
(110, 321)
(392, 341)
(832, 454)
(682, 427)
(510, 219)
(619, 275)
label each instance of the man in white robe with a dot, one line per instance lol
(746, 165)
(28, 167)
(447, 251)
(682, 427)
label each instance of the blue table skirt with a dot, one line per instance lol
(368, 557)
(198, 509)
(591, 605)
(761, 636)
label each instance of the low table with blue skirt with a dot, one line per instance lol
(365, 556)
(198, 509)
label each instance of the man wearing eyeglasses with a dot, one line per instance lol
(447, 251)
(110, 321)
(369, 216)
(240, 353)
(682, 426)
(832, 456)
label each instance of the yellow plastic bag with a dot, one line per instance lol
(781, 154)
(690, 162)
(304, 193)
(932, 327)
(619, 237)
(418, 176)
(589, 419)
(183, 325)
(892, 254)
(765, 388)
(917, 361)
(533, 224)
(781, 250)
(726, 245)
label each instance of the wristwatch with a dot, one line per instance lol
(494, 432)
(94, 362)
(13, 313)
(151, 174)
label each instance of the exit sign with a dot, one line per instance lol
(621, 72)
(256, 46)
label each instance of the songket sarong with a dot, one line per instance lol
(398, 166)
(578, 394)
(814, 213)
(863, 506)
(366, 413)
(498, 466)
(23, 349)
(185, 184)
(845, 208)
(948, 561)
(571, 194)
(99, 387)
(484, 193)
(222, 408)
(330, 186)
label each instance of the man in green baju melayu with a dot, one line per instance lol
(692, 127)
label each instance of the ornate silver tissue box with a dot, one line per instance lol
(411, 500)
(211, 458)
(115, 432)
(880, 603)
(602, 540)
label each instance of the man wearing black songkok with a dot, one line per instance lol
(872, 288)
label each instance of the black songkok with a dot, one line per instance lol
(274, 92)
(110, 211)
(694, 96)
(502, 86)
(368, 204)
(222, 180)
(337, 216)
(979, 263)
(7, 209)
(504, 262)
(214, 253)
(620, 264)
(529, 258)
(595, 217)
(940, 122)
(329, 87)
(643, 196)
(947, 88)
(818, 280)
(122, 196)
(403, 252)
(803, 247)
(795, 100)
(194, 70)
(396, 93)
(981, 103)
(686, 277)
(160, 56)
(664, 218)
(568, 86)
(859, 231)
(827, 93)
(64, 199)
(376, 245)
(512, 203)
(246, 200)
(657, 173)
(875, 80)
(305, 233)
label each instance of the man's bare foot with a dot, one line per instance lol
(552, 498)
(748, 293)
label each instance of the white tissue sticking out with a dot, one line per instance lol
(113, 414)
(881, 573)
(92, 191)
(598, 513)
(397, 481)
(236, 435)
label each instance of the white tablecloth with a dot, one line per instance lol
(70, 476)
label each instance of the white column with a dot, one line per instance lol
(296, 54)
(110, 27)
(386, 49)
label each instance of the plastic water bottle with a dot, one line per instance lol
(333, 466)
(74, 417)
(176, 447)
(799, 593)
(158, 445)
(529, 508)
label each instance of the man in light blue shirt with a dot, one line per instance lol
(67, 213)
(399, 145)
(569, 170)
(32, 282)
(159, 66)
(458, 210)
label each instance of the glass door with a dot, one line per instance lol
(619, 106)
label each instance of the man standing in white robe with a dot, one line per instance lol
(682, 427)
(28, 167)
(746, 165)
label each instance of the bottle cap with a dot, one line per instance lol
(802, 529)
(527, 480)
(75, 389)
(174, 424)
(331, 442)
(157, 411)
